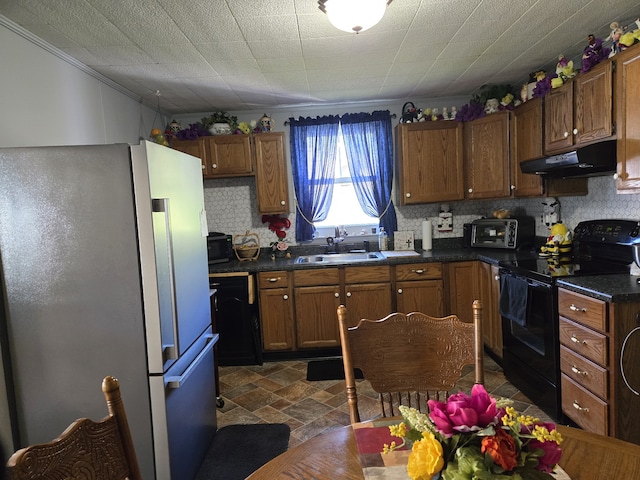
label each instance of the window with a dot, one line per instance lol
(362, 146)
(345, 210)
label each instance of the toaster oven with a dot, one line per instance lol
(510, 233)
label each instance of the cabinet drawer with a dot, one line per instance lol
(584, 408)
(580, 308)
(584, 341)
(419, 271)
(586, 373)
(275, 279)
(311, 277)
(380, 273)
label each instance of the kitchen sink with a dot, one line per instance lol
(350, 257)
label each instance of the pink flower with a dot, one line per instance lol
(464, 413)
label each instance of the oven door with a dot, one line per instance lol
(530, 338)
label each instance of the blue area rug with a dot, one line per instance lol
(239, 450)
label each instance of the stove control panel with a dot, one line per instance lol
(613, 232)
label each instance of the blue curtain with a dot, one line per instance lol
(369, 147)
(313, 145)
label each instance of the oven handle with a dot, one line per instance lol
(532, 282)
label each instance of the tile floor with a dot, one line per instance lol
(278, 392)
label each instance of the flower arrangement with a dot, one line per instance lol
(471, 437)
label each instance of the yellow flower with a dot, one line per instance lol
(426, 458)
(399, 430)
(542, 434)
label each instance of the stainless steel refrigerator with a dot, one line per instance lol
(104, 272)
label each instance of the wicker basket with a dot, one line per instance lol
(247, 246)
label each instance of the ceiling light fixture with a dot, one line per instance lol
(354, 15)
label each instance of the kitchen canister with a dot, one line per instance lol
(427, 242)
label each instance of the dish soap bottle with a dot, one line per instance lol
(383, 240)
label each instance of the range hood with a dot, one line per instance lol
(589, 161)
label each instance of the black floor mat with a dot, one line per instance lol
(328, 369)
(239, 450)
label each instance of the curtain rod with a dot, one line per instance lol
(286, 123)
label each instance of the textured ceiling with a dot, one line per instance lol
(208, 55)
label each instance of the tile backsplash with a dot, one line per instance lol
(231, 208)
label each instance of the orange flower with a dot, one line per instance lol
(502, 449)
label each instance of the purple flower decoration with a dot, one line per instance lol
(593, 54)
(470, 111)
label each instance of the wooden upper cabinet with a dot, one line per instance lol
(228, 156)
(526, 144)
(628, 120)
(430, 162)
(581, 111)
(593, 98)
(272, 185)
(558, 119)
(486, 156)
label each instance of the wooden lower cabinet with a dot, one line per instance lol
(367, 292)
(276, 311)
(489, 295)
(599, 358)
(462, 285)
(419, 288)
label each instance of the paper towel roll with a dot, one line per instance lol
(426, 235)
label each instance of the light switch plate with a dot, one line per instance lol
(403, 240)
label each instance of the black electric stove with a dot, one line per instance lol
(600, 247)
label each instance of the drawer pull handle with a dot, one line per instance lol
(573, 308)
(575, 339)
(577, 406)
(420, 271)
(274, 279)
(577, 371)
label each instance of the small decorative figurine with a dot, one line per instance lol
(266, 124)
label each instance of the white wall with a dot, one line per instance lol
(45, 100)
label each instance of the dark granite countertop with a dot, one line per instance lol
(265, 263)
(609, 288)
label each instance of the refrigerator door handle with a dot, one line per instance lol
(178, 380)
(169, 350)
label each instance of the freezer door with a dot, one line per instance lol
(184, 411)
(172, 235)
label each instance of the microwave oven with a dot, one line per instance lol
(219, 247)
(508, 233)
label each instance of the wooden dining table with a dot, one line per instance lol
(333, 455)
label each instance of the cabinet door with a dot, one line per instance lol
(593, 104)
(628, 120)
(489, 294)
(420, 296)
(228, 155)
(486, 156)
(526, 144)
(558, 119)
(194, 148)
(276, 318)
(271, 173)
(462, 286)
(316, 316)
(430, 162)
(368, 300)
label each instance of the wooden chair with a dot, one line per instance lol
(89, 450)
(409, 358)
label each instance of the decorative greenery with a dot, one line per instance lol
(476, 437)
(492, 91)
(220, 117)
